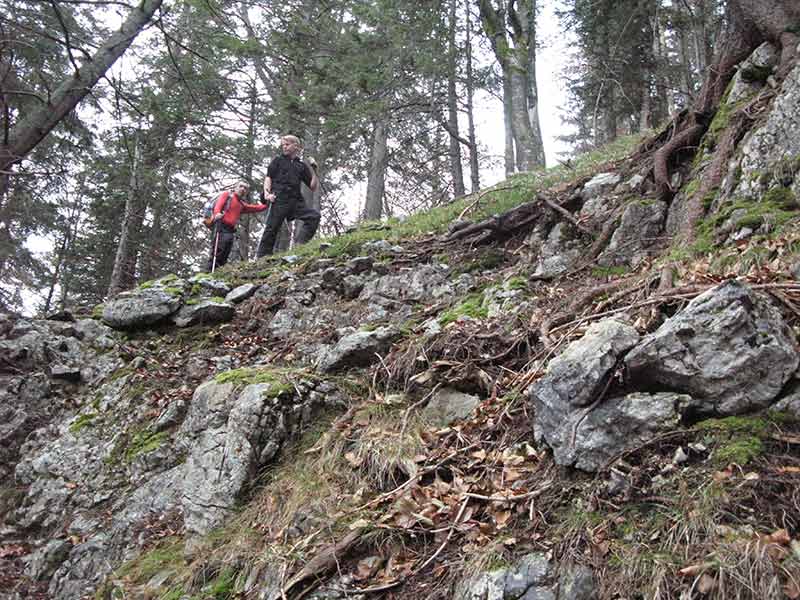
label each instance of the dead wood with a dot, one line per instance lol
(502, 226)
(324, 561)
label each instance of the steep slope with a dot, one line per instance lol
(532, 393)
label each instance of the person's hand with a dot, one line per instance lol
(269, 197)
(217, 217)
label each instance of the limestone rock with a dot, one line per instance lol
(729, 349)
(140, 308)
(358, 349)
(205, 312)
(533, 577)
(641, 225)
(449, 405)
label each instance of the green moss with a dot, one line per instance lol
(740, 451)
(173, 291)
(217, 299)
(276, 378)
(610, 271)
(97, 311)
(167, 556)
(83, 421)
(192, 301)
(516, 283)
(471, 307)
(488, 261)
(196, 290)
(736, 439)
(781, 197)
(144, 442)
(708, 200)
(691, 188)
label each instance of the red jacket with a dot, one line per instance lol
(236, 208)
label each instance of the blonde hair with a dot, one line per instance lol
(293, 139)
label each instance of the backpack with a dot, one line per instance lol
(208, 209)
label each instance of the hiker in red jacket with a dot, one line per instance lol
(227, 210)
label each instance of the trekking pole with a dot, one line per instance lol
(216, 245)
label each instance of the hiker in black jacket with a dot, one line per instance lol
(282, 189)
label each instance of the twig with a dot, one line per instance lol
(535, 493)
(415, 405)
(453, 526)
(591, 407)
(480, 196)
(566, 214)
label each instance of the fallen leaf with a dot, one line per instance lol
(367, 567)
(722, 475)
(501, 518)
(706, 583)
(787, 470)
(792, 590)
(694, 570)
(780, 536)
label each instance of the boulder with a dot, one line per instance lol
(769, 152)
(241, 293)
(559, 251)
(729, 349)
(641, 225)
(205, 312)
(448, 406)
(358, 349)
(141, 308)
(589, 440)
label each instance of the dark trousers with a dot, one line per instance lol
(283, 210)
(222, 242)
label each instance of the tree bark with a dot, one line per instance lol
(456, 170)
(475, 182)
(515, 62)
(124, 261)
(373, 207)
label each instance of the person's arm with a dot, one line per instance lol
(251, 208)
(314, 181)
(311, 172)
(219, 206)
(268, 195)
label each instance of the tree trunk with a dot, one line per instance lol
(475, 182)
(510, 160)
(527, 11)
(124, 261)
(456, 171)
(373, 207)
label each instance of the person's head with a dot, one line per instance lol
(290, 145)
(241, 188)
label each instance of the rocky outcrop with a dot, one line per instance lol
(533, 577)
(728, 352)
(640, 228)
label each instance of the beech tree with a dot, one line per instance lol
(511, 29)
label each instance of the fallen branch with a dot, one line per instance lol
(325, 560)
